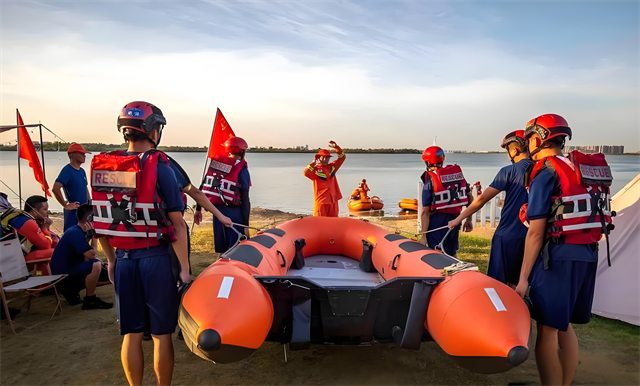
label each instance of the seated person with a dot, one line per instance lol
(75, 257)
(32, 225)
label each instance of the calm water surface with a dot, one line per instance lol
(278, 182)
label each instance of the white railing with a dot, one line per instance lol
(480, 216)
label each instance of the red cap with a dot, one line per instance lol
(77, 148)
(324, 153)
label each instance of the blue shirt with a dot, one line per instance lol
(540, 198)
(510, 179)
(74, 184)
(181, 176)
(170, 194)
(70, 250)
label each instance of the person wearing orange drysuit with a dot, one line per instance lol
(364, 189)
(32, 225)
(325, 185)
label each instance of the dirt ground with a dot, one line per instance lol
(83, 348)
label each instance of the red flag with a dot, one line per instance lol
(28, 152)
(221, 132)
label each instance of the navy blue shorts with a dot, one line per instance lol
(81, 269)
(224, 237)
(505, 259)
(147, 296)
(563, 293)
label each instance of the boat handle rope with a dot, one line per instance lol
(441, 246)
(284, 261)
(394, 265)
(240, 238)
(289, 284)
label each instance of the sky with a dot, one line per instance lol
(365, 74)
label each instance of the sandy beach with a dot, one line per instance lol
(83, 347)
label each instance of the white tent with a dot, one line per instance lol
(617, 293)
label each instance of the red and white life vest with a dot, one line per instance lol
(221, 181)
(449, 189)
(120, 182)
(580, 212)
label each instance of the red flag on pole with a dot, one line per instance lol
(221, 132)
(28, 152)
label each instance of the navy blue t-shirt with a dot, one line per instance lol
(74, 184)
(70, 250)
(170, 194)
(181, 176)
(540, 198)
(510, 179)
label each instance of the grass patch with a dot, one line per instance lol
(616, 333)
(474, 249)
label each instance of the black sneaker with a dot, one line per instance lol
(95, 303)
(73, 298)
(146, 336)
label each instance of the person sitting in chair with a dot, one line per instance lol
(75, 257)
(32, 225)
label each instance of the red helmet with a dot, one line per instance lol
(235, 145)
(433, 155)
(514, 136)
(324, 153)
(140, 116)
(548, 126)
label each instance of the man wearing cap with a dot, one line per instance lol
(325, 185)
(73, 180)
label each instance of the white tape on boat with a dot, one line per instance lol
(495, 299)
(225, 287)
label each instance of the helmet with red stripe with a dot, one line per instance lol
(514, 136)
(143, 117)
(433, 155)
(548, 127)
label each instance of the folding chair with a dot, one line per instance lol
(13, 271)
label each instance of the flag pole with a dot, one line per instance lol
(206, 159)
(18, 149)
(44, 174)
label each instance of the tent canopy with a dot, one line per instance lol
(617, 293)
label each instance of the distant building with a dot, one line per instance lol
(604, 149)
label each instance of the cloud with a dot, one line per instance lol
(300, 73)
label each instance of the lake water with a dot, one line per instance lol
(278, 182)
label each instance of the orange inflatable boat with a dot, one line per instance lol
(346, 281)
(356, 203)
(409, 204)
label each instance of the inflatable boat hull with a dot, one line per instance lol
(280, 285)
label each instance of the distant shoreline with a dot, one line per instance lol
(99, 147)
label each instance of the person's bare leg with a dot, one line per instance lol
(132, 358)
(91, 281)
(568, 354)
(547, 357)
(163, 358)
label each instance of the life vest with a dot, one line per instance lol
(580, 212)
(11, 214)
(221, 181)
(580, 209)
(120, 182)
(449, 189)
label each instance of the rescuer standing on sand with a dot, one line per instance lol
(325, 185)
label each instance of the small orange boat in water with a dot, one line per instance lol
(346, 281)
(409, 204)
(369, 203)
